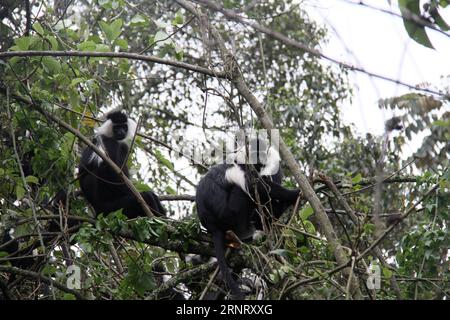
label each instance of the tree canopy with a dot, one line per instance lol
(199, 70)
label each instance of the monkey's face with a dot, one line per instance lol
(120, 131)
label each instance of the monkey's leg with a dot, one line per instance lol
(219, 247)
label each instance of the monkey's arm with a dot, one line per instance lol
(276, 191)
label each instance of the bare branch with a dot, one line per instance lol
(121, 55)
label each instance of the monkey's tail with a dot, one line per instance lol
(218, 238)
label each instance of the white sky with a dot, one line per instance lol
(381, 45)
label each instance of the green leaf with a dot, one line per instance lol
(32, 179)
(163, 160)
(415, 31)
(306, 212)
(138, 20)
(76, 81)
(441, 123)
(178, 19)
(179, 55)
(20, 192)
(357, 178)
(111, 31)
(23, 43)
(304, 250)
(162, 37)
(139, 279)
(87, 46)
(49, 270)
(38, 28)
(102, 48)
(142, 187)
(53, 42)
(369, 228)
(170, 190)
(122, 43)
(69, 296)
(116, 28)
(140, 230)
(309, 227)
(51, 65)
(230, 4)
(387, 272)
(441, 22)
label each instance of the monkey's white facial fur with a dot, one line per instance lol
(106, 129)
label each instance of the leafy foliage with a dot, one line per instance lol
(122, 259)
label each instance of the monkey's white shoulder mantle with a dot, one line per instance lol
(106, 130)
(236, 175)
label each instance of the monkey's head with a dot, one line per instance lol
(117, 126)
(256, 150)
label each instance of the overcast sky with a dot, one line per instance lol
(381, 45)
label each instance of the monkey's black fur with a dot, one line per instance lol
(101, 186)
(223, 205)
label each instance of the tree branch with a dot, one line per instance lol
(121, 55)
(31, 274)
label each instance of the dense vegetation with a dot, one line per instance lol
(197, 73)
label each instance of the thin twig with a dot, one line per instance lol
(37, 276)
(22, 174)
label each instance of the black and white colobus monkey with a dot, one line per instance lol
(101, 186)
(226, 198)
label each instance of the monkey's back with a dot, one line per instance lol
(222, 205)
